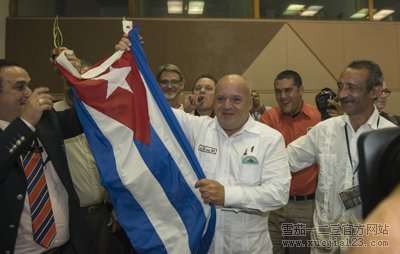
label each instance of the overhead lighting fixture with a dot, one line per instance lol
(196, 7)
(175, 7)
(312, 10)
(294, 9)
(362, 13)
(382, 14)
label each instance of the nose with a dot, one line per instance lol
(27, 91)
(227, 104)
(342, 91)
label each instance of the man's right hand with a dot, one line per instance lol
(39, 101)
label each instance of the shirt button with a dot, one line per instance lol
(20, 196)
(7, 252)
(11, 226)
(22, 138)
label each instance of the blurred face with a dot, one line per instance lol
(171, 84)
(288, 96)
(353, 94)
(205, 90)
(14, 92)
(232, 103)
(256, 99)
(380, 102)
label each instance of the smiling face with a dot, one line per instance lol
(288, 96)
(353, 94)
(204, 88)
(232, 103)
(171, 84)
(14, 92)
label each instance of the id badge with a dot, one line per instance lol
(350, 197)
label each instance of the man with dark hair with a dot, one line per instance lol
(293, 118)
(333, 145)
(201, 101)
(172, 82)
(42, 214)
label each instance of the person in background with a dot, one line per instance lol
(380, 104)
(293, 118)
(201, 101)
(258, 109)
(172, 82)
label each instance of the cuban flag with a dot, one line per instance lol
(145, 162)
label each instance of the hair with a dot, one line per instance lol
(170, 68)
(206, 75)
(375, 77)
(290, 74)
(4, 63)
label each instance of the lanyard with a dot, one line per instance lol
(348, 148)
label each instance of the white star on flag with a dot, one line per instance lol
(116, 77)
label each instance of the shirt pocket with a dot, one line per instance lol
(249, 174)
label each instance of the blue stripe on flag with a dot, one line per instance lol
(176, 129)
(138, 228)
(176, 188)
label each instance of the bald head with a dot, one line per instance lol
(235, 80)
(232, 102)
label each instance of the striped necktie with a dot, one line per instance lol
(43, 225)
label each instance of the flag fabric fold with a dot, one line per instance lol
(145, 162)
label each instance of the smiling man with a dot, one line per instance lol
(172, 82)
(333, 145)
(293, 118)
(246, 167)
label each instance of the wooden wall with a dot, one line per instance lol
(259, 49)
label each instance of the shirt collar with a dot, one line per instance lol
(4, 124)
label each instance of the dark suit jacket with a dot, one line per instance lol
(14, 141)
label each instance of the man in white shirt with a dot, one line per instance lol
(333, 145)
(246, 167)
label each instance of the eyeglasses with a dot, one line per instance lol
(386, 92)
(173, 82)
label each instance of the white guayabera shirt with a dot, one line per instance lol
(252, 165)
(326, 145)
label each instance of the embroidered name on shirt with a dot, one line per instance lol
(207, 149)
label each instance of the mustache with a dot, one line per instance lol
(346, 99)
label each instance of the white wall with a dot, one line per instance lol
(3, 15)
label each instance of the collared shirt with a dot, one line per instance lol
(303, 182)
(59, 203)
(83, 169)
(252, 166)
(326, 144)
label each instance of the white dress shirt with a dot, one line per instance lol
(326, 145)
(252, 165)
(59, 203)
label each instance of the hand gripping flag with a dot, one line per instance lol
(145, 162)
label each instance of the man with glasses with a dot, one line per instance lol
(333, 145)
(172, 82)
(380, 104)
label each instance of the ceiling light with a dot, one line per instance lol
(294, 9)
(196, 7)
(360, 14)
(175, 7)
(312, 10)
(382, 14)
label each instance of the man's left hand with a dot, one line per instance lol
(212, 192)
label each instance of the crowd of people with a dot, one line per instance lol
(283, 178)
